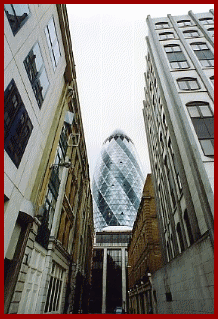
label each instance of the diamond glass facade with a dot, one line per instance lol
(117, 183)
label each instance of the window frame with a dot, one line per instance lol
(209, 30)
(202, 125)
(166, 35)
(187, 80)
(162, 25)
(52, 44)
(34, 74)
(19, 24)
(19, 127)
(186, 32)
(183, 23)
(206, 19)
(175, 56)
(203, 53)
(55, 288)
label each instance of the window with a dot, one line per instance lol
(54, 288)
(179, 233)
(203, 122)
(37, 74)
(53, 44)
(211, 31)
(17, 124)
(184, 23)
(203, 53)
(166, 35)
(188, 227)
(176, 57)
(191, 33)
(161, 25)
(17, 15)
(188, 84)
(212, 79)
(207, 20)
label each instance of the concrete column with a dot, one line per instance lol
(124, 303)
(104, 281)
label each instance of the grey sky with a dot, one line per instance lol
(109, 50)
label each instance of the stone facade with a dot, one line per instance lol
(48, 204)
(179, 82)
(144, 253)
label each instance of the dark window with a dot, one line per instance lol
(179, 232)
(188, 227)
(207, 20)
(211, 31)
(203, 122)
(212, 79)
(166, 35)
(188, 84)
(184, 23)
(17, 15)
(17, 124)
(37, 74)
(176, 57)
(53, 44)
(54, 288)
(169, 296)
(191, 33)
(161, 25)
(203, 53)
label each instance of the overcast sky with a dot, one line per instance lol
(109, 50)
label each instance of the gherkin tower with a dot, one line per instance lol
(117, 183)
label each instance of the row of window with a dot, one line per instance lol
(187, 34)
(178, 60)
(184, 23)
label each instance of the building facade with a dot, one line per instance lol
(144, 254)
(179, 113)
(48, 216)
(109, 270)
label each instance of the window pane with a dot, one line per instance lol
(205, 63)
(38, 59)
(205, 110)
(207, 147)
(183, 85)
(44, 82)
(52, 32)
(193, 111)
(184, 64)
(168, 49)
(16, 14)
(175, 65)
(193, 85)
(21, 9)
(209, 122)
(201, 128)
(57, 52)
(9, 9)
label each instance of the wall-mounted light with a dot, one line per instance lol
(65, 164)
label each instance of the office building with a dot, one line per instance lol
(48, 218)
(117, 188)
(179, 114)
(118, 183)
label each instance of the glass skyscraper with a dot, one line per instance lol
(117, 183)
